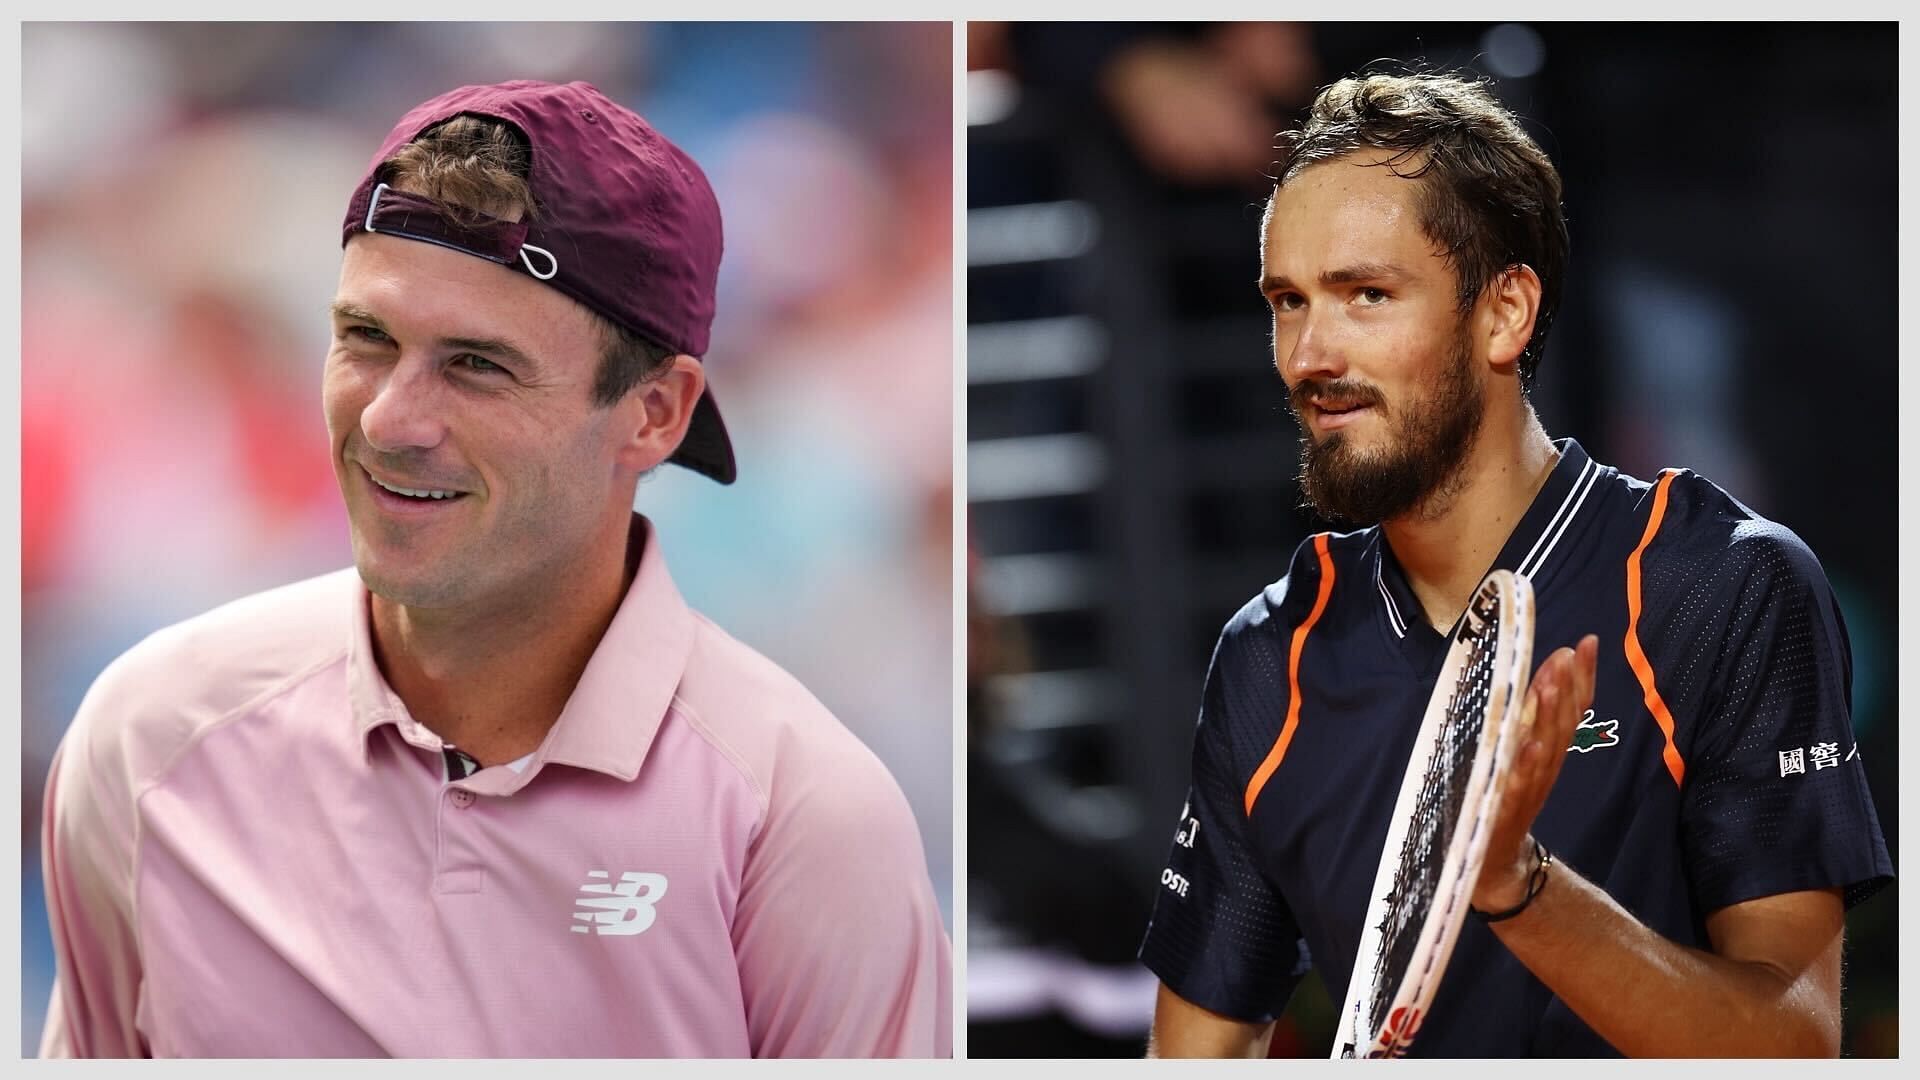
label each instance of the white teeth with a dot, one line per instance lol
(411, 492)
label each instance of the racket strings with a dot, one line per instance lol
(1437, 809)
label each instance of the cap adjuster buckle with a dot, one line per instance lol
(553, 264)
(373, 203)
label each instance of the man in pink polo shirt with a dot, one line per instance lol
(499, 792)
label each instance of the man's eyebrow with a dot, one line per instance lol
(500, 347)
(1346, 275)
(356, 313)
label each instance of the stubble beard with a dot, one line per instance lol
(1419, 473)
(401, 576)
(485, 559)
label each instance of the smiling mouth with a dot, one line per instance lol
(421, 495)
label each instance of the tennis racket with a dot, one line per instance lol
(1441, 820)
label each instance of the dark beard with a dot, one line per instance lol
(1430, 440)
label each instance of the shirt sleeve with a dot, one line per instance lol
(87, 854)
(838, 936)
(1776, 798)
(1221, 935)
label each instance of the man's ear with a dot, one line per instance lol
(656, 413)
(1513, 303)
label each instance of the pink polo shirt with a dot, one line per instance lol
(252, 850)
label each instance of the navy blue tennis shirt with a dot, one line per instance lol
(1717, 764)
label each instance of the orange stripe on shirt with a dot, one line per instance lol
(1636, 656)
(1279, 750)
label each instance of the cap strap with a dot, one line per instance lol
(400, 213)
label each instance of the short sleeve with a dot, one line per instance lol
(1775, 798)
(838, 937)
(1221, 936)
(87, 851)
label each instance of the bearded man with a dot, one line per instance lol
(1687, 819)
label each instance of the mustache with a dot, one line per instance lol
(1335, 393)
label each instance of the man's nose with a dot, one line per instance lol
(407, 411)
(1314, 353)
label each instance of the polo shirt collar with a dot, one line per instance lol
(1529, 550)
(1530, 547)
(624, 693)
(616, 708)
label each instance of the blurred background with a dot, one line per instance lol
(1731, 191)
(182, 192)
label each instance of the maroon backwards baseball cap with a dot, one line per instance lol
(627, 223)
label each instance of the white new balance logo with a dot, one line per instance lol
(622, 908)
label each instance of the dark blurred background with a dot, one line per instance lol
(1730, 307)
(182, 190)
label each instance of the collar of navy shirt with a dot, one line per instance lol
(1529, 550)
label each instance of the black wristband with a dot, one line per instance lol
(1536, 881)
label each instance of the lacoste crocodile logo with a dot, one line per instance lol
(1594, 734)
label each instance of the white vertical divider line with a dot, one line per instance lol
(959, 496)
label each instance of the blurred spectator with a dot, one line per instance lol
(1197, 103)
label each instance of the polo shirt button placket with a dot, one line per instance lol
(457, 868)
